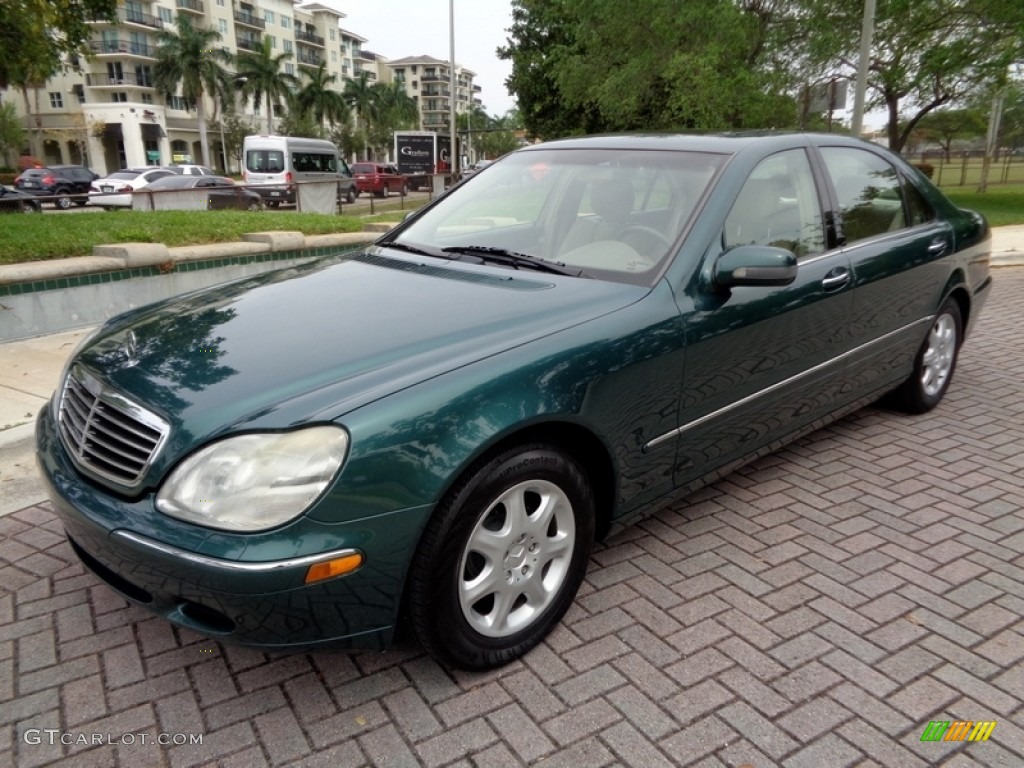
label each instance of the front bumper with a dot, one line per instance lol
(262, 603)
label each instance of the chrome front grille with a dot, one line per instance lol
(105, 432)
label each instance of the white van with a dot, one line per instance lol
(273, 165)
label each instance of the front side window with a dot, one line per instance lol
(868, 191)
(314, 162)
(778, 206)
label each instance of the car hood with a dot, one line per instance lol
(315, 341)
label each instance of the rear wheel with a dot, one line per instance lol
(405, 189)
(350, 196)
(502, 557)
(935, 362)
(254, 205)
(386, 192)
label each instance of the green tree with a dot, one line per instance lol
(42, 31)
(12, 135)
(360, 96)
(319, 98)
(944, 126)
(392, 110)
(585, 66)
(925, 53)
(295, 122)
(261, 77)
(189, 59)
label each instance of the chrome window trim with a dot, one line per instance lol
(779, 385)
(232, 566)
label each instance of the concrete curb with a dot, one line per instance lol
(115, 256)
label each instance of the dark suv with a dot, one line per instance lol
(64, 184)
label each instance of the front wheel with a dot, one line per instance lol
(350, 196)
(502, 557)
(63, 201)
(935, 362)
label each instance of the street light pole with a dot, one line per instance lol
(454, 152)
(866, 31)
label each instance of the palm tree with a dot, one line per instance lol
(360, 95)
(317, 96)
(398, 107)
(260, 75)
(191, 60)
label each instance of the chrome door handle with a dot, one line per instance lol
(836, 279)
(937, 247)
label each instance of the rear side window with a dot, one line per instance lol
(264, 161)
(868, 190)
(314, 162)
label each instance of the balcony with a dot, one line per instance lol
(105, 80)
(249, 43)
(309, 59)
(249, 20)
(309, 37)
(195, 6)
(136, 17)
(122, 48)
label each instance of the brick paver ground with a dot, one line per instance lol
(816, 609)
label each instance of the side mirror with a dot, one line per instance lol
(754, 265)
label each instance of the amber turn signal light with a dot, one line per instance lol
(328, 569)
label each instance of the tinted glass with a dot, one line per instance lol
(917, 207)
(616, 214)
(264, 161)
(868, 190)
(778, 206)
(314, 162)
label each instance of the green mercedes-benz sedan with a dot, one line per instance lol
(435, 429)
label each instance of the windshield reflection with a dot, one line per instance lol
(613, 214)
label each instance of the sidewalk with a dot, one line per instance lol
(30, 369)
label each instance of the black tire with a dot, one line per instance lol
(63, 201)
(547, 560)
(386, 192)
(350, 196)
(934, 364)
(405, 190)
(81, 201)
(273, 203)
(254, 205)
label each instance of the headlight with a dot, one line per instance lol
(254, 482)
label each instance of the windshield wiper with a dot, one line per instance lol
(412, 249)
(514, 259)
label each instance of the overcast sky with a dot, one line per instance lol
(400, 28)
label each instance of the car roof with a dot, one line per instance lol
(720, 143)
(175, 181)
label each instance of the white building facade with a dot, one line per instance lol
(105, 111)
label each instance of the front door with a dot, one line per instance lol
(761, 361)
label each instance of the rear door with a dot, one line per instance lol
(895, 244)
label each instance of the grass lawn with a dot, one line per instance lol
(28, 237)
(1003, 204)
(32, 237)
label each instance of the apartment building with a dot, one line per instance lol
(428, 81)
(105, 111)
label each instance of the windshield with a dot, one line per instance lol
(614, 214)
